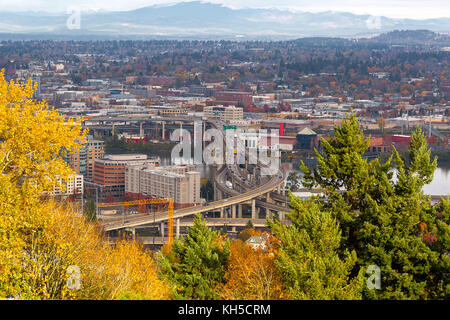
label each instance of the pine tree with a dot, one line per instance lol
(388, 221)
(89, 209)
(346, 178)
(196, 264)
(399, 234)
(309, 258)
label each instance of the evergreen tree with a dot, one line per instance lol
(309, 258)
(196, 264)
(293, 181)
(207, 190)
(400, 233)
(89, 209)
(388, 221)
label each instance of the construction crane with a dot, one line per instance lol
(142, 202)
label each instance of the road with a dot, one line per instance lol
(252, 193)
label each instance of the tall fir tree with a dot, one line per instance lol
(196, 264)
(309, 257)
(386, 219)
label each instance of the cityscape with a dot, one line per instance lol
(206, 166)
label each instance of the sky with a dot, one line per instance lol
(413, 9)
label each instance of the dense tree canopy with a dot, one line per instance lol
(384, 215)
(309, 258)
(42, 242)
(197, 262)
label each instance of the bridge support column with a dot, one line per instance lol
(253, 209)
(163, 133)
(133, 232)
(216, 192)
(239, 210)
(141, 129)
(268, 200)
(221, 212)
(162, 229)
(233, 211)
(178, 228)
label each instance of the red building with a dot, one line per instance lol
(233, 98)
(380, 144)
(111, 169)
(401, 141)
(109, 173)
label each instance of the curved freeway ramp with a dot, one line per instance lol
(130, 222)
(180, 213)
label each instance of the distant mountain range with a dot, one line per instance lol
(197, 20)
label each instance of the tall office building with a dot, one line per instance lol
(77, 160)
(82, 162)
(95, 149)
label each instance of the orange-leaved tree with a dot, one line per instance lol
(251, 273)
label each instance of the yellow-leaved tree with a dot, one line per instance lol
(40, 240)
(33, 138)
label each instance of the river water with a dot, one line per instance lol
(439, 186)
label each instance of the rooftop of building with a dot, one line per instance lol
(125, 157)
(307, 131)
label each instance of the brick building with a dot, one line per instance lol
(109, 173)
(227, 98)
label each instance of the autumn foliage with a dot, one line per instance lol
(42, 241)
(251, 274)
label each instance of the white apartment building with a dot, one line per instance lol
(181, 183)
(75, 185)
(226, 114)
